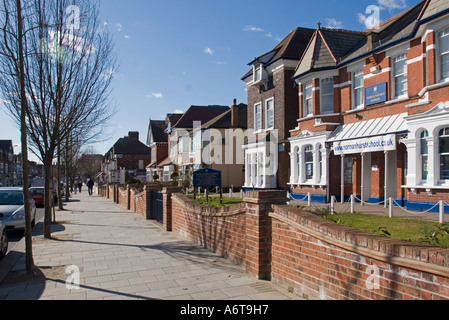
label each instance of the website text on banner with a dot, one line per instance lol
(372, 144)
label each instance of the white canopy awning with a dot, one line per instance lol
(368, 136)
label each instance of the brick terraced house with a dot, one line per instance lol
(157, 140)
(374, 112)
(272, 107)
(128, 154)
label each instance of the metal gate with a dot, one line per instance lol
(159, 207)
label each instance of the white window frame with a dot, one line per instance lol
(323, 94)
(440, 54)
(258, 106)
(267, 118)
(306, 111)
(423, 135)
(438, 150)
(258, 73)
(358, 73)
(399, 57)
(308, 149)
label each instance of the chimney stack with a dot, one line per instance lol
(133, 135)
(235, 115)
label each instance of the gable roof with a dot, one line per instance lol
(327, 47)
(347, 46)
(202, 114)
(225, 119)
(290, 48)
(433, 7)
(157, 131)
(173, 118)
(128, 145)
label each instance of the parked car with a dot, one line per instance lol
(12, 209)
(38, 195)
(3, 241)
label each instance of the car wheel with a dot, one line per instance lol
(3, 245)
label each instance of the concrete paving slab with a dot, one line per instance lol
(121, 256)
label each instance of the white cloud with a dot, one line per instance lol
(333, 23)
(178, 111)
(127, 36)
(221, 62)
(157, 95)
(209, 51)
(119, 27)
(253, 29)
(392, 4)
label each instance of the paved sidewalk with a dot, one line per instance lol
(120, 255)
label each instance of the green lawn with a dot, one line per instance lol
(412, 230)
(214, 201)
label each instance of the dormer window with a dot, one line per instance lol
(257, 73)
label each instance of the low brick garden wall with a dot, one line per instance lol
(303, 253)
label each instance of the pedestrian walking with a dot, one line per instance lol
(90, 186)
(80, 185)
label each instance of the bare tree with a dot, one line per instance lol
(14, 52)
(69, 66)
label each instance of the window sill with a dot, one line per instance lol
(398, 99)
(358, 109)
(312, 116)
(308, 184)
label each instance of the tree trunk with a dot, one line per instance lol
(49, 200)
(60, 205)
(23, 130)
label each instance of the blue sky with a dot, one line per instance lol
(177, 53)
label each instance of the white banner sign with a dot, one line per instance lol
(362, 145)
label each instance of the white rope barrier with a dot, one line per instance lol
(414, 212)
(300, 200)
(369, 204)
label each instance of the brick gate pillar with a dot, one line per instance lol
(151, 201)
(258, 230)
(167, 208)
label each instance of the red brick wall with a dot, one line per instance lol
(317, 259)
(123, 197)
(220, 230)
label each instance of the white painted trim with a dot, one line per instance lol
(344, 84)
(370, 75)
(430, 47)
(417, 59)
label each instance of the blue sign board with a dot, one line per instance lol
(376, 94)
(205, 178)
